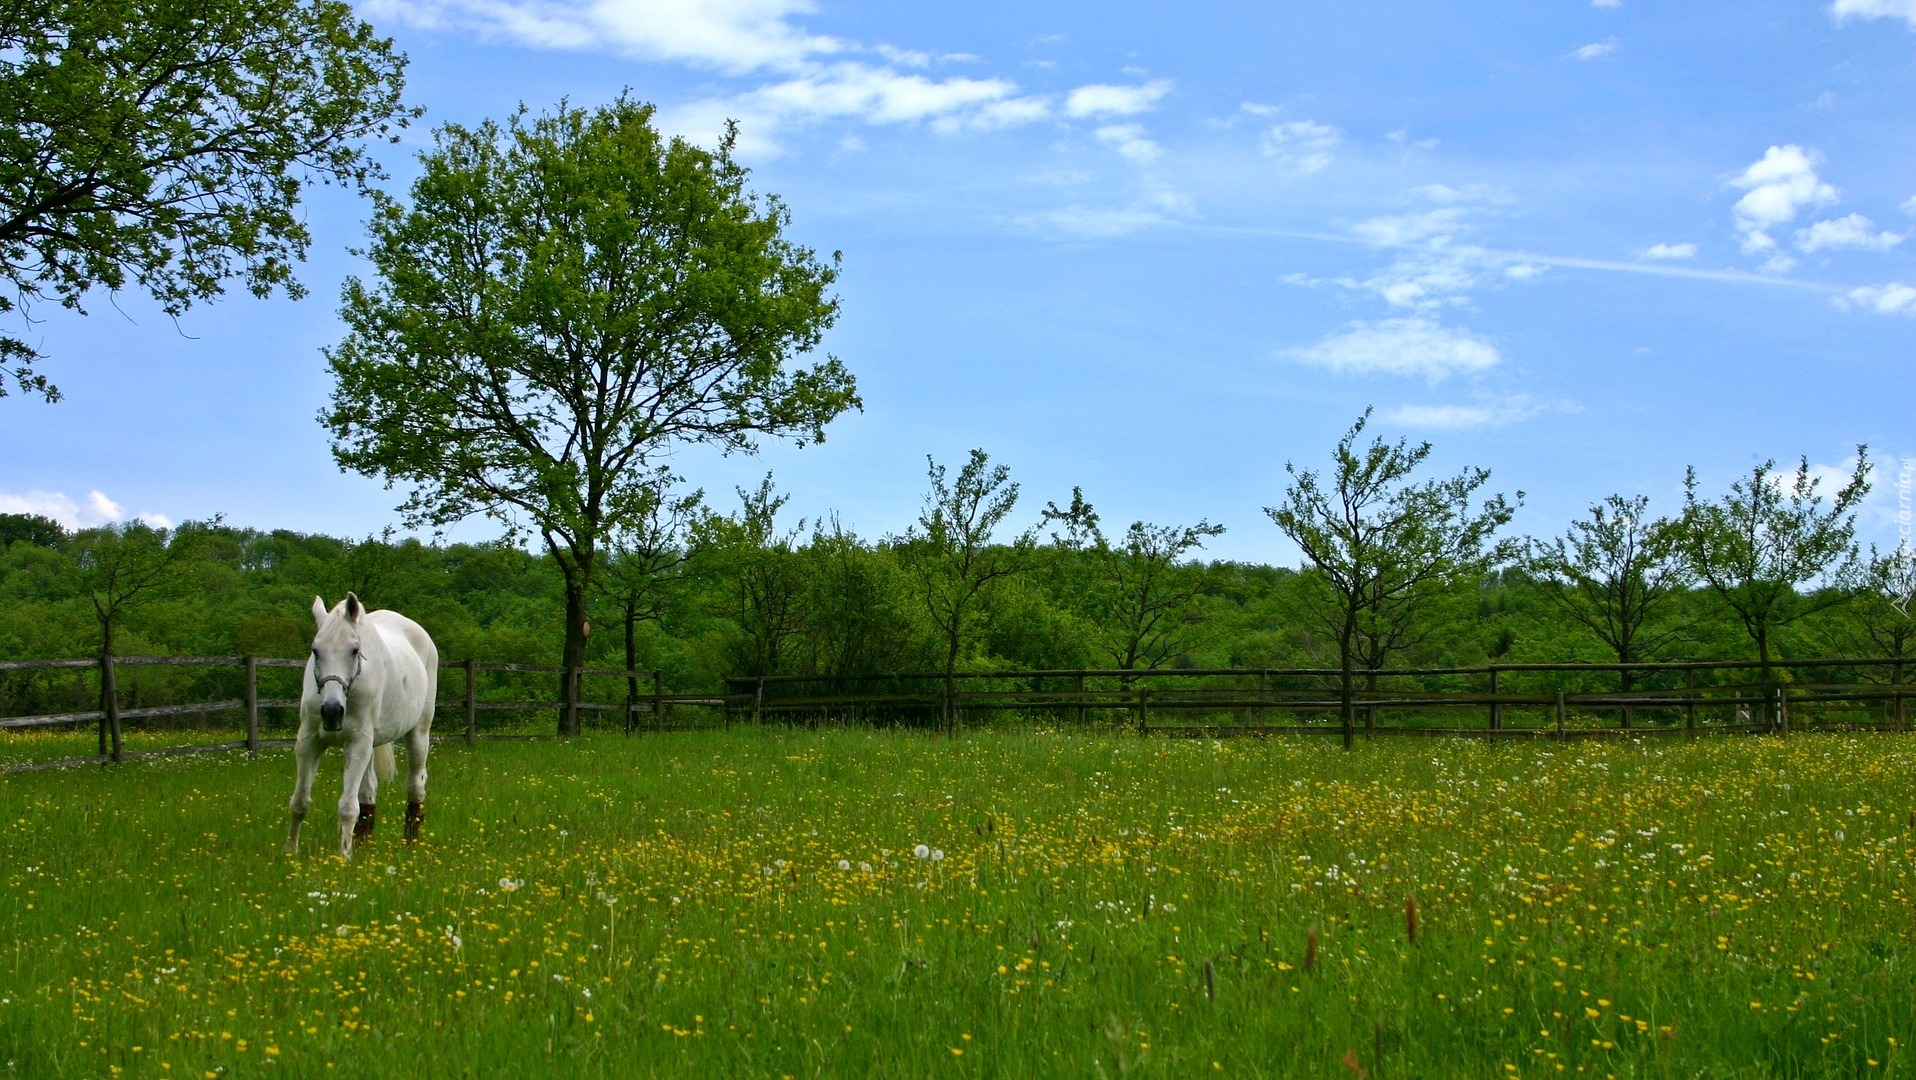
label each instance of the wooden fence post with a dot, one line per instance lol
(1144, 710)
(758, 702)
(1900, 721)
(1082, 712)
(109, 710)
(658, 700)
(472, 701)
(1689, 700)
(252, 706)
(1496, 706)
(1561, 736)
(1263, 695)
(1782, 711)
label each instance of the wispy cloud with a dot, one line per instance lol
(1669, 251)
(1151, 210)
(734, 36)
(1490, 413)
(804, 77)
(95, 509)
(1106, 99)
(1404, 347)
(1594, 51)
(1303, 146)
(1130, 141)
(1895, 298)
(1853, 231)
(1875, 9)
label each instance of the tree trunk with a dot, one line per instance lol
(1767, 715)
(1347, 682)
(631, 664)
(109, 697)
(578, 584)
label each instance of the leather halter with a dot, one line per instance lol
(345, 684)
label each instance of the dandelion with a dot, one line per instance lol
(507, 884)
(844, 864)
(922, 851)
(937, 855)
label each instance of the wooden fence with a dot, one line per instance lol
(645, 703)
(1496, 700)
(1499, 700)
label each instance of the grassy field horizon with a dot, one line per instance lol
(786, 903)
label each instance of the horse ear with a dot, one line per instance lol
(319, 611)
(353, 607)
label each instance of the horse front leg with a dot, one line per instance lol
(306, 763)
(359, 763)
(368, 801)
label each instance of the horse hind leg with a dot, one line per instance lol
(417, 744)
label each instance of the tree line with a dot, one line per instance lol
(1399, 569)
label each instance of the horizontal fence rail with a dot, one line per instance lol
(1517, 700)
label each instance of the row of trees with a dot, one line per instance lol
(1399, 568)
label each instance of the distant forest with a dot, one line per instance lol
(732, 594)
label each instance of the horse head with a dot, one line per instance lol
(337, 661)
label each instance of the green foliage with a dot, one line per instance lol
(1770, 536)
(954, 562)
(167, 142)
(1615, 573)
(1383, 549)
(567, 300)
(1142, 596)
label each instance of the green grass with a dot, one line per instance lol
(676, 905)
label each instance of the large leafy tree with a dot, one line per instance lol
(567, 300)
(1772, 549)
(1382, 546)
(166, 143)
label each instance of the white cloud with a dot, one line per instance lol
(1488, 414)
(1895, 298)
(814, 78)
(1853, 231)
(1129, 140)
(1776, 188)
(1403, 230)
(1875, 9)
(1909, 206)
(1524, 271)
(1594, 51)
(731, 35)
(1606, 3)
(1413, 346)
(1104, 99)
(95, 509)
(1302, 145)
(1669, 251)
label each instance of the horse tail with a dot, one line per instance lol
(383, 761)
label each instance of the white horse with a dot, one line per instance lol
(372, 679)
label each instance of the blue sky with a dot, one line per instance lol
(1159, 250)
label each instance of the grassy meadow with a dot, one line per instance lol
(803, 904)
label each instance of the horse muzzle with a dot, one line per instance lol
(332, 715)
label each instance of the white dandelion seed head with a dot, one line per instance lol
(844, 864)
(922, 851)
(937, 855)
